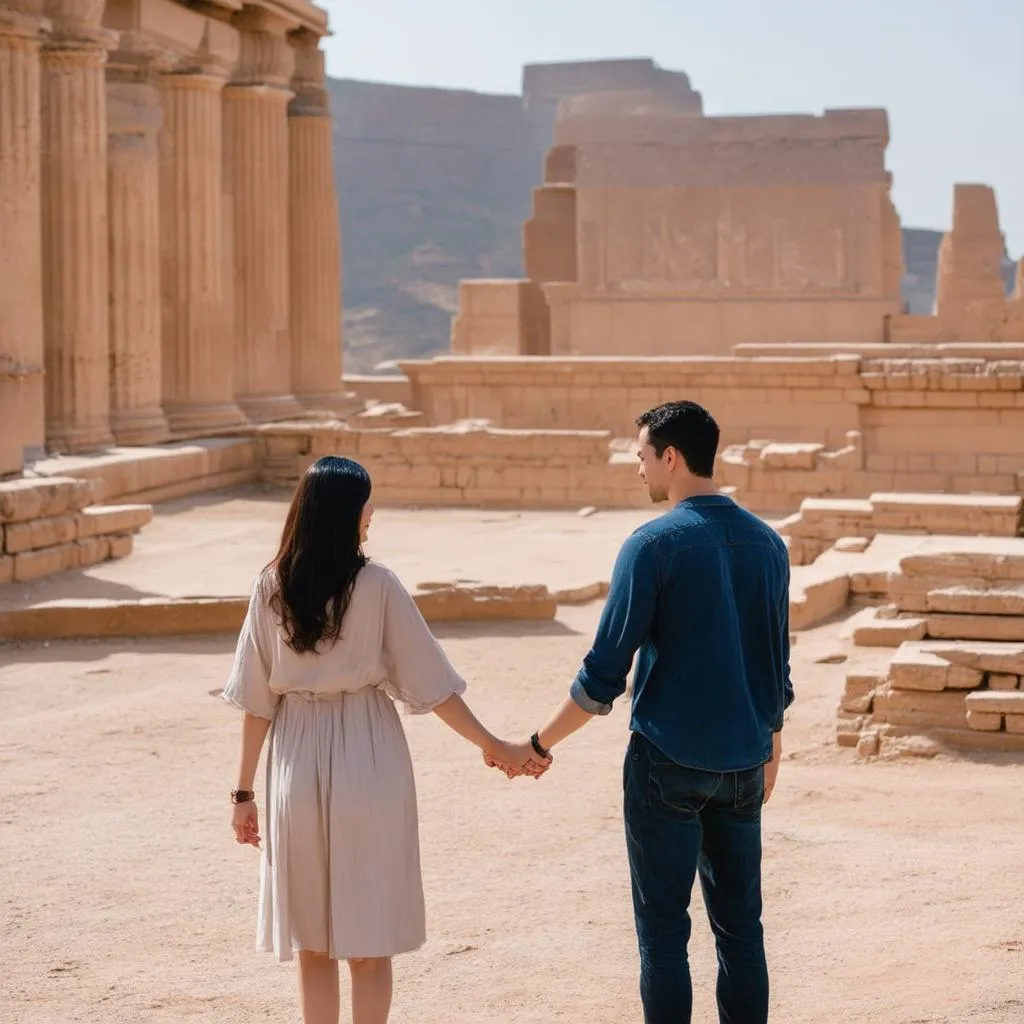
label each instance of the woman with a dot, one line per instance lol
(329, 644)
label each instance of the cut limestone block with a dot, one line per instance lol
(996, 702)
(959, 739)
(42, 497)
(986, 656)
(915, 667)
(885, 632)
(928, 710)
(1007, 599)
(984, 721)
(100, 519)
(1003, 681)
(35, 534)
(976, 627)
(820, 597)
(1015, 724)
(1005, 561)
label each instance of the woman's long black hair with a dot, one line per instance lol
(321, 552)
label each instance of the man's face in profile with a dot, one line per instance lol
(653, 470)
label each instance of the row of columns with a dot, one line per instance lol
(185, 226)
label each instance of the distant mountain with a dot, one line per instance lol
(434, 186)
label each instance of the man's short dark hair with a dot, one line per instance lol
(687, 427)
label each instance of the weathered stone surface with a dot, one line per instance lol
(6, 568)
(456, 602)
(976, 627)
(971, 600)
(984, 721)
(983, 656)
(39, 533)
(1015, 724)
(916, 667)
(818, 599)
(1003, 681)
(1004, 561)
(959, 739)
(997, 703)
(37, 498)
(108, 519)
(32, 565)
(881, 632)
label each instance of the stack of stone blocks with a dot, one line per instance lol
(956, 619)
(49, 525)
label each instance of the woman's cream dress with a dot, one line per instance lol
(340, 872)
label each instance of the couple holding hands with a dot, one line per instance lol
(332, 642)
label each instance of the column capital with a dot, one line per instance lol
(138, 59)
(265, 59)
(309, 79)
(23, 20)
(76, 26)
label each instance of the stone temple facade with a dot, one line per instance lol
(170, 264)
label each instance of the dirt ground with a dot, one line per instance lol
(894, 889)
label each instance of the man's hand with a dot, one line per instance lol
(516, 759)
(771, 769)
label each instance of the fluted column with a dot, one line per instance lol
(134, 119)
(197, 358)
(75, 259)
(256, 177)
(314, 238)
(22, 409)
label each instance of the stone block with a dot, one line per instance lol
(41, 498)
(889, 632)
(959, 739)
(997, 703)
(6, 569)
(860, 704)
(108, 519)
(976, 627)
(852, 545)
(867, 744)
(33, 565)
(819, 599)
(39, 533)
(121, 545)
(1003, 681)
(984, 721)
(1007, 599)
(860, 683)
(90, 551)
(1015, 724)
(915, 667)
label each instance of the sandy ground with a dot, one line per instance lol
(215, 544)
(895, 890)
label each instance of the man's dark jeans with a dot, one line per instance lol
(681, 821)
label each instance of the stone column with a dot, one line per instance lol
(197, 363)
(134, 117)
(256, 179)
(22, 409)
(314, 238)
(74, 227)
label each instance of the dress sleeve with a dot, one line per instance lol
(248, 687)
(420, 676)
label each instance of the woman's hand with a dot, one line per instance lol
(516, 759)
(245, 822)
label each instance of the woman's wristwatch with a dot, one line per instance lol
(535, 743)
(242, 796)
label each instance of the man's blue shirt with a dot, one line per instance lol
(702, 593)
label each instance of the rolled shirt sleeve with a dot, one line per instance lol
(625, 624)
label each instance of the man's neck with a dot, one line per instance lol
(693, 488)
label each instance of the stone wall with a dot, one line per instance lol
(466, 465)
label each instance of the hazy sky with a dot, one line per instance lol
(950, 72)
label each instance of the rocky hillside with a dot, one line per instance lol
(434, 186)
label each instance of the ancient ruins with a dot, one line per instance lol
(170, 326)
(170, 255)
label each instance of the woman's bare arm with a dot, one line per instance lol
(254, 733)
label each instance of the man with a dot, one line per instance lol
(703, 593)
